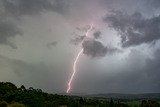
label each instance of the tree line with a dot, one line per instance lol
(12, 96)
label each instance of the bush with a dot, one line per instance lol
(3, 104)
(16, 105)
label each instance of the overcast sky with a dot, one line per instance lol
(39, 40)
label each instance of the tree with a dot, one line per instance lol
(3, 104)
(23, 88)
(111, 104)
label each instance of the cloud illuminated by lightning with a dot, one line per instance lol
(76, 60)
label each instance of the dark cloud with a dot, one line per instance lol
(79, 37)
(138, 75)
(147, 7)
(153, 69)
(97, 34)
(95, 48)
(152, 4)
(77, 40)
(54, 43)
(138, 79)
(83, 29)
(7, 30)
(13, 10)
(33, 7)
(134, 29)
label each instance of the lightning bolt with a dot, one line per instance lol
(76, 60)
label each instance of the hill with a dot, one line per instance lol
(12, 96)
(127, 96)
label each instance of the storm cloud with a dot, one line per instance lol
(95, 48)
(77, 40)
(134, 29)
(32, 75)
(12, 11)
(97, 34)
(8, 30)
(142, 78)
(79, 35)
(121, 52)
(32, 7)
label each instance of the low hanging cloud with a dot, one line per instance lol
(97, 34)
(134, 29)
(95, 48)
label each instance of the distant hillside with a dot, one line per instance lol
(128, 96)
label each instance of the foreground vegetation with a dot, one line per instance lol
(11, 96)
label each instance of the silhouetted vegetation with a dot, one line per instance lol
(11, 96)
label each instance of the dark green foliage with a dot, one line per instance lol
(149, 103)
(15, 104)
(36, 98)
(6, 87)
(3, 104)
